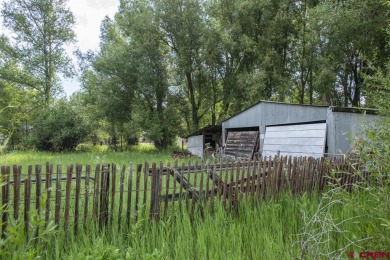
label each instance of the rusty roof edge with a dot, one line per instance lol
(360, 110)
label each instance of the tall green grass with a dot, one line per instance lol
(286, 227)
(311, 227)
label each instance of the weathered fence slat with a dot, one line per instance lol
(27, 197)
(96, 190)
(49, 173)
(121, 189)
(104, 196)
(137, 187)
(129, 193)
(38, 188)
(5, 198)
(201, 195)
(187, 190)
(160, 170)
(69, 172)
(17, 171)
(153, 199)
(194, 186)
(146, 175)
(167, 191)
(79, 169)
(224, 187)
(58, 197)
(86, 194)
(113, 190)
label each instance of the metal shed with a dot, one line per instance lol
(345, 125)
(296, 129)
(208, 136)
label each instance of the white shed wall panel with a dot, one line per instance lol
(343, 128)
(273, 113)
(295, 140)
(195, 145)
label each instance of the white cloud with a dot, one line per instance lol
(102, 3)
(89, 15)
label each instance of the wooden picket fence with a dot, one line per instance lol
(75, 196)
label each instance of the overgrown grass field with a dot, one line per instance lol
(92, 155)
(325, 226)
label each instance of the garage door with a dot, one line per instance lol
(295, 140)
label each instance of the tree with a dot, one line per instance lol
(59, 127)
(156, 109)
(41, 29)
(351, 32)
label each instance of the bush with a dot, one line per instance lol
(58, 128)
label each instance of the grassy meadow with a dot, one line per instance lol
(326, 226)
(92, 155)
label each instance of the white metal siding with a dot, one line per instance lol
(295, 140)
(195, 145)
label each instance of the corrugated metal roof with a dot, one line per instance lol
(275, 102)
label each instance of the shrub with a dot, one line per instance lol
(58, 128)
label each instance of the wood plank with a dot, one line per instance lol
(137, 190)
(208, 182)
(189, 181)
(225, 187)
(96, 193)
(79, 169)
(27, 198)
(38, 184)
(129, 192)
(121, 190)
(248, 174)
(87, 192)
(180, 187)
(57, 212)
(153, 198)
(49, 173)
(166, 190)
(69, 173)
(260, 175)
(113, 193)
(104, 196)
(159, 179)
(174, 183)
(146, 170)
(201, 195)
(195, 183)
(17, 172)
(5, 171)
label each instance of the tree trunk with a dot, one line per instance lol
(194, 109)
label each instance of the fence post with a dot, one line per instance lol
(155, 198)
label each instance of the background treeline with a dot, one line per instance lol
(165, 68)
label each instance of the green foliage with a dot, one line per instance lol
(42, 28)
(58, 128)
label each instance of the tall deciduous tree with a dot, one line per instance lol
(40, 30)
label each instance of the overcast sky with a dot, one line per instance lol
(88, 14)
